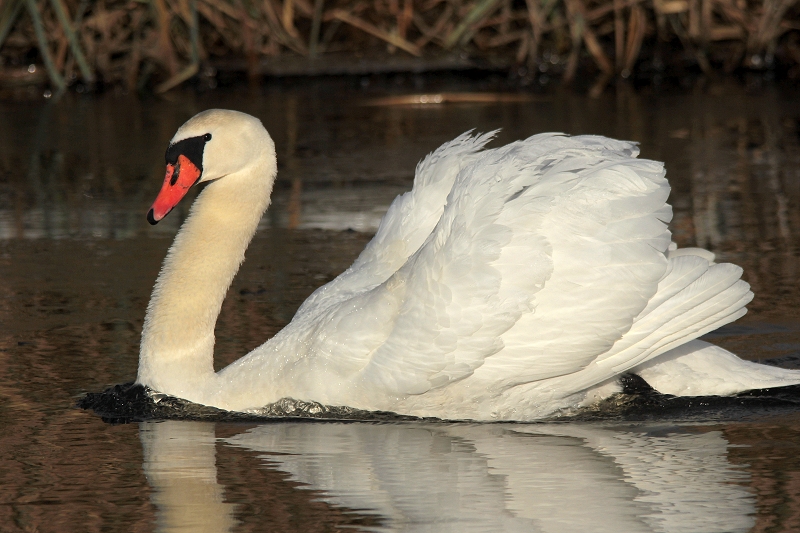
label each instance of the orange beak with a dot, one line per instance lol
(177, 182)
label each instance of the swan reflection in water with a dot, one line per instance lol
(466, 477)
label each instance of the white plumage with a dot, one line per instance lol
(507, 284)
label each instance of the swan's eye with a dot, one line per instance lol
(207, 137)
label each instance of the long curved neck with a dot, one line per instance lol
(176, 355)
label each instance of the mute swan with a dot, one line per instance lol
(508, 284)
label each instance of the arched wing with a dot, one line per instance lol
(409, 220)
(575, 216)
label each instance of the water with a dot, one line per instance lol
(77, 261)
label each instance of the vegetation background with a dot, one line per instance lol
(159, 44)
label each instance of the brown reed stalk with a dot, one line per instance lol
(8, 16)
(432, 32)
(636, 29)
(480, 10)
(170, 40)
(365, 26)
(316, 24)
(74, 45)
(769, 27)
(619, 33)
(165, 47)
(578, 12)
(44, 48)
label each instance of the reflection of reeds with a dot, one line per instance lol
(129, 42)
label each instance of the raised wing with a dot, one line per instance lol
(607, 234)
(408, 222)
(569, 226)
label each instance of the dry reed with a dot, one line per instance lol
(162, 43)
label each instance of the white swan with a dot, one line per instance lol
(508, 284)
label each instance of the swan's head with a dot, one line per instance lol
(210, 145)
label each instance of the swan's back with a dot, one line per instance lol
(501, 267)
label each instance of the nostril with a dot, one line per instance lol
(175, 172)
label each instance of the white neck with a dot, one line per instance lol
(177, 350)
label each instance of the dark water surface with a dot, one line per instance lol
(78, 260)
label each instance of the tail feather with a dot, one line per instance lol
(698, 368)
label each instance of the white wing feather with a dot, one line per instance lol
(607, 235)
(509, 283)
(545, 265)
(565, 232)
(408, 222)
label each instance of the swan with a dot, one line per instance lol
(511, 283)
